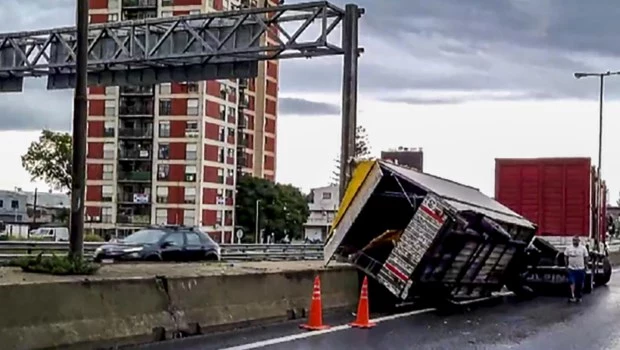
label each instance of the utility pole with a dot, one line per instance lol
(256, 224)
(80, 103)
(596, 227)
(34, 206)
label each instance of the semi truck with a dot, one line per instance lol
(419, 236)
(564, 198)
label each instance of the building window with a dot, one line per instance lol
(163, 171)
(231, 153)
(1, 203)
(327, 195)
(190, 173)
(108, 172)
(164, 151)
(231, 173)
(222, 112)
(164, 129)
(108, 150)
(231, 132)
(189, 217)
(107, 192)
(221, 154)
(161, 216)
(231, 112)
(190, 195)
(162, 194)
(165, 107)
(219, 200)
(218, 217)
(229, 194)
(220, 175)
(14, 204)
(108, 128)
(113, 17)
(193, 87)
(191, 129)
(222, 134)
(110, 108)
(106, 215)
(223, 91)
(165, 89)
(192, 106)
(191, 151)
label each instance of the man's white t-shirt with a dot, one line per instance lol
(576, 257)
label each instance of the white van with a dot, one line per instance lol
(56, 234)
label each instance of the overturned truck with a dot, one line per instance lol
(421, 236)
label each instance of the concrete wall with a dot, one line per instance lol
(87, 313)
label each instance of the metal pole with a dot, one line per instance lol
(76, 239)
(350, 46)
(600, 159)
(256, 225)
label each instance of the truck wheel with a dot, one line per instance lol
(604, 276)
(587, 284)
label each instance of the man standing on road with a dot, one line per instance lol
(576, 257)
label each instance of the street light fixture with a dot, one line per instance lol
(601, 77)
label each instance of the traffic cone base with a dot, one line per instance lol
(315, 318)
(363, 312)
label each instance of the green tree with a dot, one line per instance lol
(49, 159)
(362, 150)
(282, 209)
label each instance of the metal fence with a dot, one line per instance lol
(15, 249)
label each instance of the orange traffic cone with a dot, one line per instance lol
(363, 313)
(315, 319)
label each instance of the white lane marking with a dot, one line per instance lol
(293, 337)
(616, 269)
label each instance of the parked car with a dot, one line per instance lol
(161, 243)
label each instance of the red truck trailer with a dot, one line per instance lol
(557, 194)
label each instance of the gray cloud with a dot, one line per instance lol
(528, 47)
(523, 48)
(302, 107)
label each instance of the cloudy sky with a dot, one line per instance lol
(469, 81)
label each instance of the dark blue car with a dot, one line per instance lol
(162, 243)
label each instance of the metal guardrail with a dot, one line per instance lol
(15, 249)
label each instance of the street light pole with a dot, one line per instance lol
(596, 214)
(80, 103)
(256, 228)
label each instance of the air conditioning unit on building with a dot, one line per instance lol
(192, 133)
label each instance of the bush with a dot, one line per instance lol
(91, 237)
(55, 265)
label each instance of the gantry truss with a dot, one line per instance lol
(187, 48)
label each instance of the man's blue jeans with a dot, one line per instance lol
(577, 278)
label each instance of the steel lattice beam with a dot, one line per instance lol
(186, 48)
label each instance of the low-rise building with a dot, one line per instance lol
(13, 206)
(411, 157)
(323, 205)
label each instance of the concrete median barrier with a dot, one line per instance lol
(85, 314)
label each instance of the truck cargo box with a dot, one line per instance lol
(421, 235)
(557, 194)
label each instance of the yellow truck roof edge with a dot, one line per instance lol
(359, 176)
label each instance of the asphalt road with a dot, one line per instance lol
(543, 323)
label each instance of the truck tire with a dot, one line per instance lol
(604, 277)
(588, 284)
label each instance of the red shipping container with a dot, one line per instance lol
(554, 193)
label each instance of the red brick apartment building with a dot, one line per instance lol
(168, 154)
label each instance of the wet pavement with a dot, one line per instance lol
(542, 323)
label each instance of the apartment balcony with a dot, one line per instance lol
(135, 176)
(136, 133)
(137, 91)
(135, 111)
(136, 155)
(134, 198)
(139, 4)
(137, 220)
